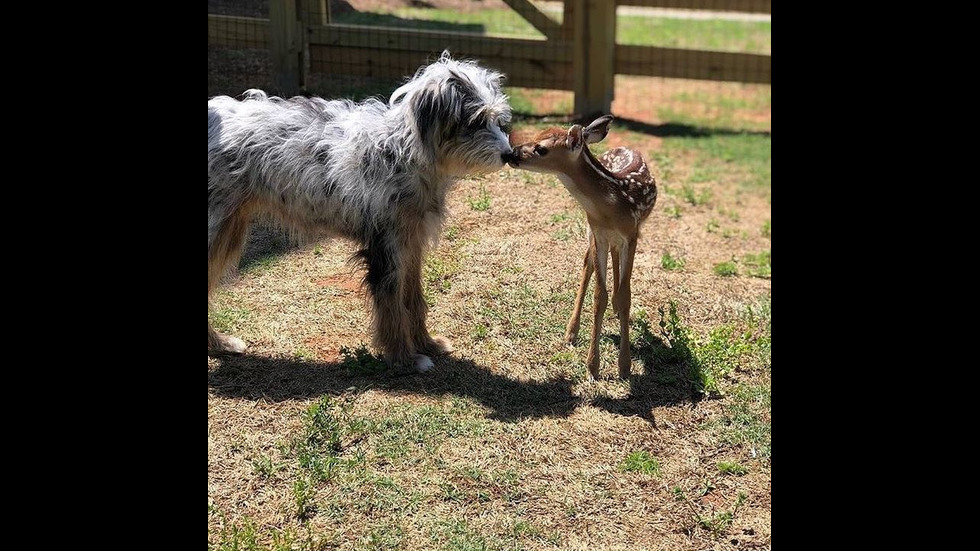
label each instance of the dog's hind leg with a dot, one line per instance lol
(226, 238)
(415, 304)
(392, 331)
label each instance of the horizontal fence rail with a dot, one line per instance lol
(578, 54)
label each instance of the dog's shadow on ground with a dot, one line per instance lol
(509, 399)
(276, 379)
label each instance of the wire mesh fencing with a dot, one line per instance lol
(694, 62)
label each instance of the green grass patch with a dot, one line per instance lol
(759, 265)
(641, 462)
(317, 447)
(694, 197)
(732, 468)
(567, 226)
(725, 269)
(228, 320)
(702, 361)
(522, 313)
(481, 202)
(488, 21)
(263, 466)
(743, 159)
(406, 430)
(673, 211)
(671, 263)
(438, 273)
(709, 34)
(233, 536)
(747, 421)
(304, 498)
(767, 229)
(360, 361)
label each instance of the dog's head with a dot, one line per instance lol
(458, 114)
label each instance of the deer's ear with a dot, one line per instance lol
(598, 129)
(575, 138)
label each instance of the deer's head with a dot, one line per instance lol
(555, 149)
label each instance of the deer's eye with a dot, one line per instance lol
(541, 150)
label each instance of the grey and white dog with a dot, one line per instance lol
(373, 172)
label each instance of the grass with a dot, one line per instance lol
(229, 320)
(693, 197)
(732, 468)
(746, 421)
(767, 229)
(480, 22)
(732, 36)
(263, 466)
(361, 361)
(741, 159)
(237, 536)
(481, 202)
(705, 360)
(437, 274)
(671, 263)
(640, 462)
(725, 269)
(737, 36)
(759, 265)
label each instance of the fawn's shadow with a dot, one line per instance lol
(668, 375)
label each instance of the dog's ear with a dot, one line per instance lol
(439, 107)
(427, 105)
(575, 139)
(596, 131)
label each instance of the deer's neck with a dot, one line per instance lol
(589, 182)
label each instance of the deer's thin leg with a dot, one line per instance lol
(600, 256)
(622, 304)
(615, 269)
(571, 332)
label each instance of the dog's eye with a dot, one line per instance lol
(541, 150)
(506, 127)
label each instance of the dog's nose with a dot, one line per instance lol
(510, 158)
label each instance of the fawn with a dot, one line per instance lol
(618, 193)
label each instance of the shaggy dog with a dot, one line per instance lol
(373, 172)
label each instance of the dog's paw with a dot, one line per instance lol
(229, 345)
(423, 363)
(440, 345)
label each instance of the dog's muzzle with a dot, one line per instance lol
(511, 159)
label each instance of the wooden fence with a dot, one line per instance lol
(578, 54)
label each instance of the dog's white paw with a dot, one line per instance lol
(230, 345)
(423, 363)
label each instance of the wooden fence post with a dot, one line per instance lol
(315, 12)
(595, 55)
(286, 45)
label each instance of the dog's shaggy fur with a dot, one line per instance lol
(371, 172)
